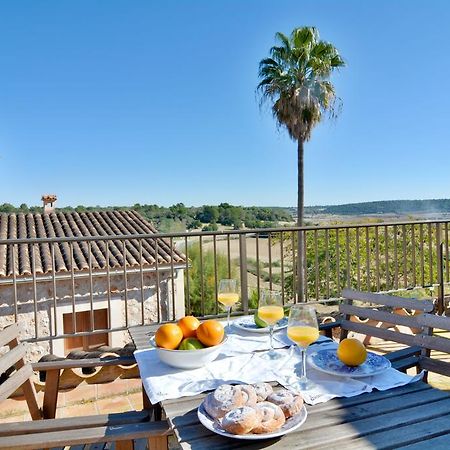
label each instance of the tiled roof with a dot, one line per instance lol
(73, 224)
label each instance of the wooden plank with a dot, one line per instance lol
(51, 394)
(437, 443)
(389, 300)
(381, 316)
(9, 333)
(15, 381)
(420, 433)
(382, 333)
(433, 342)
(366, 398)
(435, 365)
(368, 410)
(434, 321)
(10, 358)
(85, 436)
(73, 423)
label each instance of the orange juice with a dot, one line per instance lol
(303, 336)
(270, 314)
(228, 298)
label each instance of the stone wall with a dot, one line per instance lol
(50, 306)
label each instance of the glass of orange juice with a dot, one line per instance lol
(228, 295)
(303, 329)
(270, 310)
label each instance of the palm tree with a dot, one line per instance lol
(295, 80)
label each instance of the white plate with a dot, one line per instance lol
(248, 324)
(290, 425)
(328, 362)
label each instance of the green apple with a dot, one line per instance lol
(190, 344)
(259, 322)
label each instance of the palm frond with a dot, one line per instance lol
(295, 78)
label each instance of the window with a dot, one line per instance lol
(83, 322)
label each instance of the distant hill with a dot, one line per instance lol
(382, 207)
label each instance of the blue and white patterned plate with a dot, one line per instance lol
(248, 324)
(328, 362)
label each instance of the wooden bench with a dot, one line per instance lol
(388, 320)
(134, 429)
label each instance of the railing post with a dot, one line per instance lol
(243, 271)
(440, 271)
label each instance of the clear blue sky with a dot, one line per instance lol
(118, 102)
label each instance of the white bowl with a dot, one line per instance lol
(188, 359)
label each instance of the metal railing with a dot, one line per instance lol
(380, 257)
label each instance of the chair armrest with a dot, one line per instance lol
(80, 363)
(329, 327)
(405, 358)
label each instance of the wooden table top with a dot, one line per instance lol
(415, 416)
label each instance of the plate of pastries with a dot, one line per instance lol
(252, 411)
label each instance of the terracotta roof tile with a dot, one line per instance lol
(72, 224)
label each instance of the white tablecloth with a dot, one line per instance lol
(240, 363)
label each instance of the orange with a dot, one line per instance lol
(210, 333)
(351, 352)
(169, 336)
(189, 325)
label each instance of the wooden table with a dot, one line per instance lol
(415, 416)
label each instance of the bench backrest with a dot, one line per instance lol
(377, 316)
(18, 373)
(429, 341)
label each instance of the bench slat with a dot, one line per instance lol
(10, 358)
(86, 436)
(431, 320)
(433, 342)
(435, 365)
(382, 316)
(9, 333)
(15, 381)
(49, 425)
(382, 333)
(389, 300)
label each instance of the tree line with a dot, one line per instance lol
(179, 217)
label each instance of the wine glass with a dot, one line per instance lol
(270, 310)
(303, 329)
(228, 295)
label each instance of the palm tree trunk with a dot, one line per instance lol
(301, 285)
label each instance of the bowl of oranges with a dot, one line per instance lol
(189, 343)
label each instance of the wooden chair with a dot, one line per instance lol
(127, 430)
(388, 320)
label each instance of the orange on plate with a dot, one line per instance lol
(169, 336)
(351, 352)
(210, 333)
(189, 325)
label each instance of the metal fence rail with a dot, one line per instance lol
(372, 257)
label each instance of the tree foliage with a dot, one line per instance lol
(295, 80)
